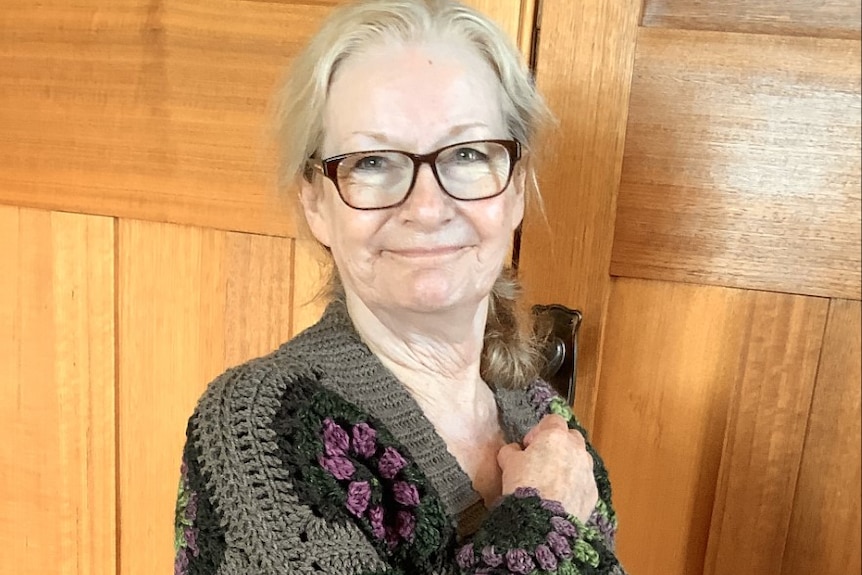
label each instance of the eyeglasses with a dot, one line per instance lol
(380, 179)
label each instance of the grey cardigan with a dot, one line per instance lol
(315, 459)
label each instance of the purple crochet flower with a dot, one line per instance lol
(545, 558)
(406, 493)
(564, 527)
(465, 557)
(192, 506)
(519, 561)
(364, 440)
(554, 507)
(541, 395)
(340, 467)
(186, 513)
(604, 525)
(391, 462)
(181, 562)
(335, 439)
(405, 525)
(191, 536)
(490, 557)
(375, 517)
(358, 496)
(524, 492)
(391, 536)
(559, 545)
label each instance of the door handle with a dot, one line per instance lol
(557, 325)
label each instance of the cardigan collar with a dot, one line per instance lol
(351, 369)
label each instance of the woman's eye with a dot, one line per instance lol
(370, 163)
(470, 155)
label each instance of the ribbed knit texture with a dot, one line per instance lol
(274, 483)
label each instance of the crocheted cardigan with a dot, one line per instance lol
(315, 459)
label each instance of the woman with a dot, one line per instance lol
(406, 431)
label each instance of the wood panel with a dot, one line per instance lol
(528, 27)
(191, 303)
(515, 17)
(832, 19)
(674, 359)
(310, 277)
(584, 66)
(825, 527)
(57, 488)
(765, 434)
(742, 163)
(153, 111)
(665, 387)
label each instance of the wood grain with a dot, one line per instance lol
(830, 19)
(57, 487)
(585, 58)
(528, 28)
(825, 526)
(765, 434)
(154, 111)
(684, 367)
(258, 273)
(742, 163)
(670, 361)
(310, 278)
(191, 303)
(148, 110)
(511, 15)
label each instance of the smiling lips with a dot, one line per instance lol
(426, 252)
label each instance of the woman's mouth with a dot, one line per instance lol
(426, 252)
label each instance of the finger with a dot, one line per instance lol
(579, 438)
(580, 444)
(548, 422)
(506, 452)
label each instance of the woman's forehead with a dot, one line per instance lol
(415, 92)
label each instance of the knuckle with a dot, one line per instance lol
(577, 436)
(557, 421)
(556, 434)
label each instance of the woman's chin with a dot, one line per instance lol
(435, 296)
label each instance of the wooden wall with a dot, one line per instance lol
(144, 250)
(703, 197)
(57, 357)
(706, 216)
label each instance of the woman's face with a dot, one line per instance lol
(432, 252)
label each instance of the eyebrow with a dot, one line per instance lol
(451, 133)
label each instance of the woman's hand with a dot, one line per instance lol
(555, 461)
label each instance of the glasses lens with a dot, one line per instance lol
(474, 170)
(374, 179)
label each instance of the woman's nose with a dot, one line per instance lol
(427, 203)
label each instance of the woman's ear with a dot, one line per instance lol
(315, 209)
(519, 180)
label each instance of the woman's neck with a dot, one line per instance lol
(435, 355)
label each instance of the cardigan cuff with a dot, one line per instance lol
(524, 533)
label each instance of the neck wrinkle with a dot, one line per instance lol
(431, 355)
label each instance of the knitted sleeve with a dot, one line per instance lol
(199, 542)
(524, 532)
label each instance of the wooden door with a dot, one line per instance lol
(703, 201)
(144, 250)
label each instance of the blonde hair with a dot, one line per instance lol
(510, 356)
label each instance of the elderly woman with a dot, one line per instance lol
(406, 432)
